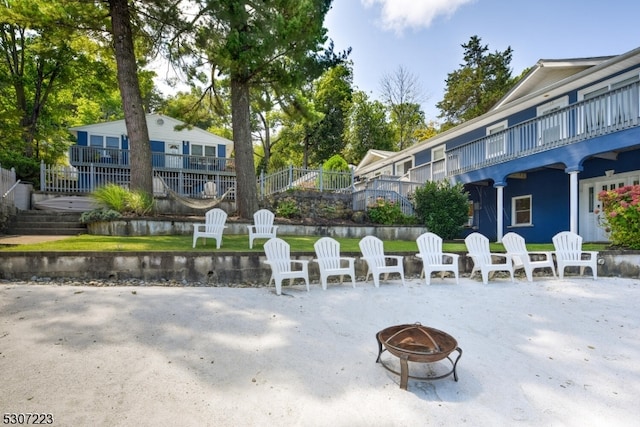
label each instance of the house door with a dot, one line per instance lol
(591, 226)
(173, 156)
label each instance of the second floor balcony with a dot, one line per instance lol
(610, 112)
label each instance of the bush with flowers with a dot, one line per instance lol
(621, 215)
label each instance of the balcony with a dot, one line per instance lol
(117, 158)
(608, 113)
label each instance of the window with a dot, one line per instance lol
(521, 211)
(552, 125)
(113, 142)
(203, 150)
(96, 141)
(403, 167)
(437, 153)
(496, 141)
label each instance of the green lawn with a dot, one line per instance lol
(232, 243)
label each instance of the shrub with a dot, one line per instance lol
(621, 209)
(335, 173)
(112, 196)
(122, 200)
(139, 202)
(287, 209)
(442, 208)
(388, 213)
(101, 214)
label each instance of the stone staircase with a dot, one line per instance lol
(49, 223)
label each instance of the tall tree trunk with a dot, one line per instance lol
(246, 190)
(134, 115)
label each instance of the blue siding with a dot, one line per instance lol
(549, 190)
(627, 162)
(422, 157)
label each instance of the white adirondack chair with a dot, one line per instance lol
(372, 250)
(569, 253)
(433, 259)
(522, 258)
(331, 263)
(483, 260)
(262, 227)
(278, 255)
(212, 227)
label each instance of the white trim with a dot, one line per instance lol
(514, 200)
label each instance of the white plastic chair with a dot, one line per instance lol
(522, 258)
(483, 260)
(212, 227)
(433, 259)
(569, 253)
(372, 250)
(278, 255)
(262, 227)
(331, 263)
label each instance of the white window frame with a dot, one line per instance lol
(403, 166)
(514, 201)
(438, 153)
(205, 148)
(556, 123)
(496, 146)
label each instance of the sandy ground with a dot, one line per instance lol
(548, 353)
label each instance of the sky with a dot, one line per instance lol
(425, 36)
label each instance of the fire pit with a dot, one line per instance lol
(420, 344)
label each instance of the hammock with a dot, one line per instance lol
(208, 203)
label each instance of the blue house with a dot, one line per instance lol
(536, 162)
(188, 159)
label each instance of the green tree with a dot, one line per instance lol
(478, 85)
(402, 94)
(279, 43)
(442, 208)
(332, 97)
(366, 129)
(46, 69)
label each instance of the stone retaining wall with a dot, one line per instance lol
(220, 268)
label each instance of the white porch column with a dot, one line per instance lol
(573, 201)
(499, 209)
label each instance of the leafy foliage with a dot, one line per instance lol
(288, 208)
(366, 129)
(442, 208)
(124, 201)
(335, 173)
(100, 214)
(481, 81)
(386, 212)
(621, 209)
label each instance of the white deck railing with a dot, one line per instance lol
(307, 179)
(608, 113)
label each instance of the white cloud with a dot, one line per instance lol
(398, 15)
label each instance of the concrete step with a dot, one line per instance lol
(36, 222)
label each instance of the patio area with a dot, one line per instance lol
(551, 352)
